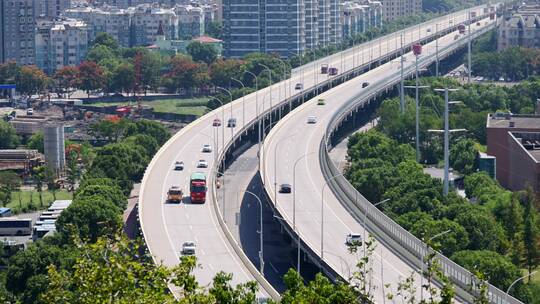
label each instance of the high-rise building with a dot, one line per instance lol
(287, 27)
(191, 21)
(113, 21)
(51, 8)
(18, 31)
(271, 26)
(60, 43)
(520, 29)
(393, 9)
(147, 19)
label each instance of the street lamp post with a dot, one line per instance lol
(402, 89)
(243, 101)
(517, 280)
(256, 104)
(261, 251)
(222, 124)
(230, 96)
(298, 244)
(322, 212)
(270, 75)
(294, 184)
(275, 164)
(469, 50)
(422, 262)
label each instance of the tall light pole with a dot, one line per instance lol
(261, 251)
(256, 104)
(270, 75)
(322, 212)
(513, 283)
(422, 263)
(275, 164)
(298, 243)
(222, 123)
(446, 132)
(417, 50)
(230, 95)
(294, 186)
(243, 100)
(365, 220)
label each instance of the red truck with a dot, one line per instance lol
(197, 187)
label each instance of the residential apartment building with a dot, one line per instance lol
(357, 17)
(271, 26)
(146, 20)
(520, 29)
(17, 27)
(191, 21)
(274, 26)
(393, 9)
(60, 43)
(51, 8)
(111, 20)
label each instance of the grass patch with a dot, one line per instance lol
(25, 205)
(191, 106)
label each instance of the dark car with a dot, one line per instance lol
(285, 188)
(298, 86)
(365, 84)
(231, 123)
(216, 122)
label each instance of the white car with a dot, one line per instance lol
(353, 239)
(202, 164)
(179, 166)
(188, 248)
(311, 119)
(206, 148)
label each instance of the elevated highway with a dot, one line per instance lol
(323, 207)
(166, 226)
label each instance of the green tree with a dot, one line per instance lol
(204, 52)
(123, 78)
(50, 179)
(91, 76)
(484, 232)
(151, 128)
(9, 182)
(214, 29)
(221, 72)
(36, 142)
(28, 267)
(182, 74)
(31, 80)
(38, 173)
(531, 235)
(73, 172)
(146, 141)
(112, 194)
(105, 39)
(121, 161)
(319, 290)
(8, 137)
(66, 78)
(110, 130)
(497, 268)
(89, 218)
(457, 239)
(463, 156)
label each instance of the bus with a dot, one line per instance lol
(15, 226)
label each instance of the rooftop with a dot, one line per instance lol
(207, 39)
(529, 141)
(509, 120)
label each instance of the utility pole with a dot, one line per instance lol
(446, 132)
